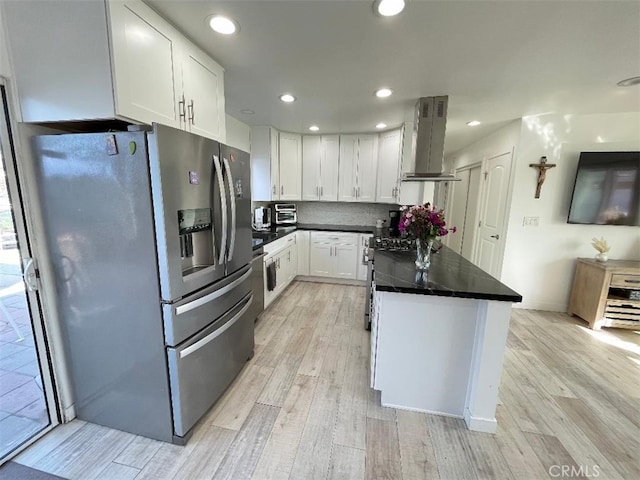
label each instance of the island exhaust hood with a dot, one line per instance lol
(427, 146)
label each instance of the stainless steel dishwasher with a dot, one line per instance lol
(257, 283)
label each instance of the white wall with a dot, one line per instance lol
(238, 134)
(539, 262)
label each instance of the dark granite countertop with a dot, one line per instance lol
(450, 275)
(337, 228)
(262, 238)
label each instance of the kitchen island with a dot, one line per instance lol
(438, 338)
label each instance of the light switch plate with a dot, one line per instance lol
(531, 222)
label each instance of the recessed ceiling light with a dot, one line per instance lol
(246, 111)
(473, 123)
(383, 92)
(381, 125)
(314, 128)
(222, 24)
(629, 82)
(287, 98)
(388, 8)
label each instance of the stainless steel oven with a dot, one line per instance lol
(284, 213)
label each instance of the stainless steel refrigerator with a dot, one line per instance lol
(149, 238)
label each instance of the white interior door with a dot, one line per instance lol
(492, 221)
(470, 226)
(458, 210)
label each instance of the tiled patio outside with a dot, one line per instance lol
(22, 405)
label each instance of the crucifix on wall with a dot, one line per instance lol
(542, 167)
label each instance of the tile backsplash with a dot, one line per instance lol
(342, 213)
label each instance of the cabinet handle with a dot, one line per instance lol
(281, 189)
(274, 189)
(632, 281)
(321, 191)
(191, 113)
(182, 110)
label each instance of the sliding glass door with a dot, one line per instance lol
(26, 388)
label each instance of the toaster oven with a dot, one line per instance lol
(284, 214)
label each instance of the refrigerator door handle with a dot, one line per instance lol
(215, 334)
(213, 295)
(232, 199)
(223, 201)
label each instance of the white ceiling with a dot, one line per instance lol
(497, 60)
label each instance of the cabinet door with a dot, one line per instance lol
(302, 243)
(362, 267)
(282, 271)
(292, 262)
(329, 168)
(144, 56)
(388, 167)
(321, 260)
(346, 261)
(347, 170)
(311, 157)
(290, 166)
(274, 149)
(367, 168)
(203, 85)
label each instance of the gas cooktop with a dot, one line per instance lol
(397, 244)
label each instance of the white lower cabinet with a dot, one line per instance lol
(302, 242)
(363, 243)
(333, 255)
(282, 253)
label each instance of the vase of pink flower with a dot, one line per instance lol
(425, 223)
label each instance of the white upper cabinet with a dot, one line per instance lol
(265, 183)
(329, 168)
(358, 168)
(274, 152)
(144, 53)
(78, 61)
(320, 156)
(389, 158)
(203, 95)
(311, 159)
(367, 167)
(347, 186)
(290, 166)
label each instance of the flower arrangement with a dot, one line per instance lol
(424, 222)
(600, 245)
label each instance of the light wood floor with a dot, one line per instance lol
(302, 409)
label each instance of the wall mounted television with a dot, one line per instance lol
(607, 189)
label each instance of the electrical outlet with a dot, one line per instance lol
(531, 222)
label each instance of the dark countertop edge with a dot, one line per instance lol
(469, 295)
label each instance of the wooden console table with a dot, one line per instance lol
(607, 294)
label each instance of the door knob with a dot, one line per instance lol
(497, 237)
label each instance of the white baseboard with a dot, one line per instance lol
(478, 424)
(421, 410)
(68, 413)
(340, 281)
(549, 307)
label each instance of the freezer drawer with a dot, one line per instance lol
(193, 313)
(202, 368)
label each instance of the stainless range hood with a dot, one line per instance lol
(427, 147)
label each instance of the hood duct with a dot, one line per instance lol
(427, 147)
